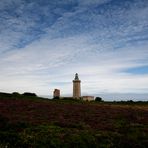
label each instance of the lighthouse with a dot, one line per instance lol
(76, 87)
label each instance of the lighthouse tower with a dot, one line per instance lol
(76, 87)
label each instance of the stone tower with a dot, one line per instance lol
(76, 87)
(56, 93)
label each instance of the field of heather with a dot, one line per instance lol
(52, 123)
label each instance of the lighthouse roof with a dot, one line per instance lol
(76, 76)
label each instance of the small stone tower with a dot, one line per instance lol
(56, 93)
(76, 87)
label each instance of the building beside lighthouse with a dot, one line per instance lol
(76, 87)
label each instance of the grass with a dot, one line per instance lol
(33, 122)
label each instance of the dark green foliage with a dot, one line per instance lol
(51, 136)
(99, 99)
(56, 97)
(29, 94)
(5, 95)
(68, 98)
(130, 101)
(16, 94)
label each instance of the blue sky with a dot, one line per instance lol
(43, 43)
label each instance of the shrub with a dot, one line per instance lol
(5, 95)
(29, 94)
(16, 94)
(99, 99)
(56, 97)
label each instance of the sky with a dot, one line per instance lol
(43, 43)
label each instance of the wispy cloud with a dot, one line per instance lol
(43, 44)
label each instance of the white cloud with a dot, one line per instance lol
(92, 2)
(47, 64)
(98, 51)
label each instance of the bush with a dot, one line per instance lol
(5, 95)
(56, 97)
(99, 99)
(29, 94)
(16, 94)
(130, 101)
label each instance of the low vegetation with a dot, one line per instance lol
(34, 122)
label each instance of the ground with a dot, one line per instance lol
(34, 122)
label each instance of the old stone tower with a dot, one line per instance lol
(76, 87)
(56, 93)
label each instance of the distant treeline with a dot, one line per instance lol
(131, 102)
(16, 95)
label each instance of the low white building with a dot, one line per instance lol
(88, 98)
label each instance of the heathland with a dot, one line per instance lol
(33, 122)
